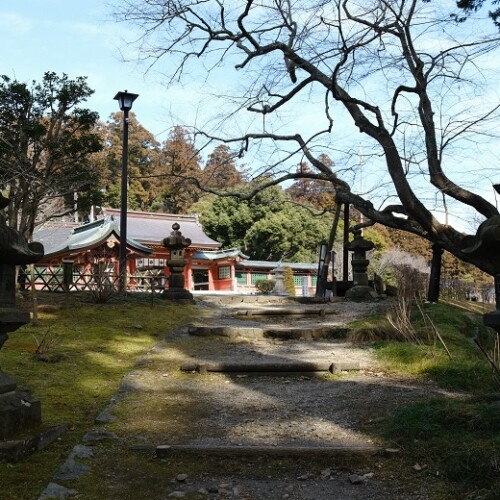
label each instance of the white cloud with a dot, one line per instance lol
(14, 24)
(86, 29)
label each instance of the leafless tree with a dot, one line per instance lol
(404, 73)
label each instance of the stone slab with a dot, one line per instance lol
(285, 311)
(55, 491)
(71, 469)
(282, 333)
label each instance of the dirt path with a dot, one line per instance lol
(161, 405)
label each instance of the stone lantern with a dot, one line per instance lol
(177, 245)
(361, 289)
(279, 286)
(18, 409)
(485, 245)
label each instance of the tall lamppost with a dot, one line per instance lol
(125, 100)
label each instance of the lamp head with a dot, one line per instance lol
(125, 100)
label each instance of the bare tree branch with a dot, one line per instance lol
(391, 66)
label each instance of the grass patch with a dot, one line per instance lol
(457, 438)
(371, 329)
(467, 371)
(96, 346)
(460, 439)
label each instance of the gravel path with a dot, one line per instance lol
(159, 405)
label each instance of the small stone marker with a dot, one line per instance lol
(279, 286)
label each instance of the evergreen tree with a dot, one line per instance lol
(142, 167)
(46, 141)
(220, 171)
(288, 280)
(180, 169)
(268, 227)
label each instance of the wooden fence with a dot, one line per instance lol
(70, 279)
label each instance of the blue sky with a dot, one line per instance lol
(79, 38)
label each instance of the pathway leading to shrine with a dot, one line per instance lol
(260, 426)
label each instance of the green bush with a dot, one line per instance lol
(265, 286)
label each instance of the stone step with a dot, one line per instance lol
(290, 367)
(229, 299)
(307, 333)
(284, 311)
(166, 451)
(282, 333)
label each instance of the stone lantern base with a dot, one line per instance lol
(19, 410)
(361, 292)
(176, 292)
(178, 295)
(492, 320)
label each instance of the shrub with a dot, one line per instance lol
(409, 274)
(288, 281)
(45, 344)
(265, 286)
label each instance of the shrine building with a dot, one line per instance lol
(94, 246)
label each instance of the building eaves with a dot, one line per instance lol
(219, 254)
(262, 264)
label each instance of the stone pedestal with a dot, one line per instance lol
(19, 410)
(176, 290)
(10, 321)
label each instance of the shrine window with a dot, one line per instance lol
(224, 272)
